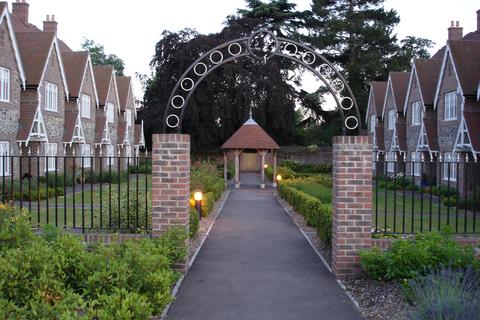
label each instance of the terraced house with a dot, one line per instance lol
(394, 122)
(55, 103)
(374, 121)
(107, 115)
(12, 83)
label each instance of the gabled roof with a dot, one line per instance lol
(20, 26)
(27, 114)
(431, 131)
(138, 135)
(379, 136)
(121, 130)
(104, 79)
(427, 72)
(250, 136)
(401, 132)
(378, 89)
(472, 121)
(399, 82)
(466, 58)
(35, 50)
(72, 120)
(76, 66)
(100, 122)
(5, 16)
(124, 87)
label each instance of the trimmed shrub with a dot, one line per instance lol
(316, 213)
(307, 167)
(194, 223)
(409, 258)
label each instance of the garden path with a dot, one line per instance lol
(256, 265)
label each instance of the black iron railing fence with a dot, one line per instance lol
(426, 195)
(92, 193)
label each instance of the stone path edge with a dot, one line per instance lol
(284, 206)
(192, 258)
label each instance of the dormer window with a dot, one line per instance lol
(51, 97)
(391, 119)
(450, 106)
(4, 85)
(110, 109)
(416, 113)
(372, 123)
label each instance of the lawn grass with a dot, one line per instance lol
(420, 215)
(52, 210)
(316, 190)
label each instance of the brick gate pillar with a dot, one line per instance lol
(170, 182)
(352, 202)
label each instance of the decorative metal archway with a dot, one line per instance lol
(262, 45)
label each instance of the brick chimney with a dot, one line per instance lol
(478, 20)
(20, 10)
(455, 32)
(50, 25)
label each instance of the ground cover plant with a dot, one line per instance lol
(57, 276)
(207, 178)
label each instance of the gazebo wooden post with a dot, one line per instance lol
(262, 167)
(237, 168)
(274, 178)
(225, 168)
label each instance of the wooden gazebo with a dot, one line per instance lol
(251, 136)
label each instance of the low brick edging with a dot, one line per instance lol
(352, 203)
(108, 238)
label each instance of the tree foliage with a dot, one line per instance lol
(100, 58)
(357, 35)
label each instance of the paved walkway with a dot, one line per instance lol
(257, 265)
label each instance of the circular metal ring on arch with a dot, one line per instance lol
(175, 122)
(351, 126)
(191, 84)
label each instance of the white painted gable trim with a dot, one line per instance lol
(130, 92)
(370, 99)
(413, 74)
(38, 113)
(60, 62)
(442, 71)
(419, 147)
(89, 65)
(106, 137)
(394, 146)
(5, 15)
(112, 80)
(463, 126)
(389, 85)
(82, 132)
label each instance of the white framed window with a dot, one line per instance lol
(416, 113)
(78, 131)
(450, 167)
(450, 106)
(391, 119)
(110, 109)
(373, 122)
(50, 154)
(85, 150)
(416, 166)
(4, 85)
(391, 158)
(4, 158)
(85, 106)
(51, 97)
(110, 154)
(128, 114)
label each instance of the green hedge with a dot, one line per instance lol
(194, 223)
(308, 167)
(316, 213)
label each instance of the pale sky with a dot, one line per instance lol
(131, 29)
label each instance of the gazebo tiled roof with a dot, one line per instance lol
(250, 136)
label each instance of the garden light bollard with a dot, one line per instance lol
(198, 197)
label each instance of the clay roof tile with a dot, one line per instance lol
(250, 136)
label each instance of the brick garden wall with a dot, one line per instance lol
(352, 202)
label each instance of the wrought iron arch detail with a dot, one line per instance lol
(282, 47)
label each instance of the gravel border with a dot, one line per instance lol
(376, 300)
